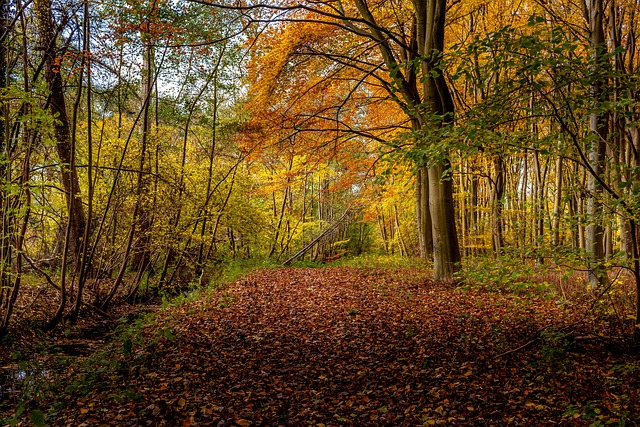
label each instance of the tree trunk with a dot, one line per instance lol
(142, 218)
(438, 101)
(538, 206)
(497, 225)
(85, 265)
(598, 125)
(446, 253)
(52, 58)
(425, 237)
(557, 203)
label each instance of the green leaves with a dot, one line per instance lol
(535, 20)
(37, 418)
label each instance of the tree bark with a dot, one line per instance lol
(430, 18)
(497, 225)
(425, 237)
(557, 203)
(598, 126)
(52, 58)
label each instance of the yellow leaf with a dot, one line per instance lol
(182, 402)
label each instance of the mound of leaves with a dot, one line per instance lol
(346, 346)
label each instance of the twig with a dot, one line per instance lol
(519, 348)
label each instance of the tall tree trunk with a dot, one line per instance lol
(52, 59)
(473, 217)
(85, 265)
(5, 232)
(598, 125)
(430, 18)
(538, 226)
(435, 101)
(4, 26)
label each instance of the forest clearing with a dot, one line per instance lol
(477, 161)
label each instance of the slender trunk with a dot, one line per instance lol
(557, 203)
(474, 218)
(4, 112)
(497, 224)
(425, 238)
(598, 125)
(524, 219)
(142, 217)
(403, 246)
(538, 216)
(199, 264)
(274, 242)
(5, 236)
(383, 232)
(84, 266)
(633, 229)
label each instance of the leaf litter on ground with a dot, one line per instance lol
(355, 346)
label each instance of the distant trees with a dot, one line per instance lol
(394, 54)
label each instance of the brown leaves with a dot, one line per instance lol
(342, 346)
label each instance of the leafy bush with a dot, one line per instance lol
(504, 273)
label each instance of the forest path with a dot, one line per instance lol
(347, 346)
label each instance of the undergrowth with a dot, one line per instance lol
(129, 350)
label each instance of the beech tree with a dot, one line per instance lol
(404, 45)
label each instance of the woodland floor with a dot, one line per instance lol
(347, 346)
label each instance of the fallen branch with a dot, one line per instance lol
(318, 238)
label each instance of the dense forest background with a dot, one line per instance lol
(145, 144)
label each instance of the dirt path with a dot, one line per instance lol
(343, 346)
